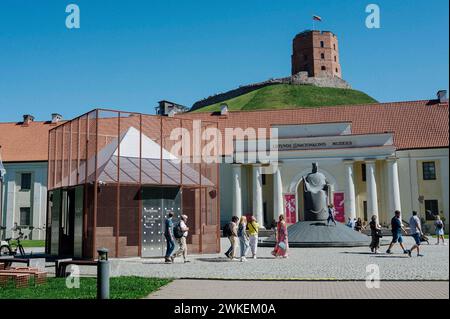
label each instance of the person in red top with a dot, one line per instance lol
(282, 244)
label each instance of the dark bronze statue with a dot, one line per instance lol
(316, 195)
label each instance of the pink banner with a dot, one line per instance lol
(290, 203)
(338, 202)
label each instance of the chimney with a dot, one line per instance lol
(56, 118)
(172, 113)
(27, 119)
(224, 109)
(442, 96)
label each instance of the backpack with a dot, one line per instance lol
(227, 232)
(177, 231)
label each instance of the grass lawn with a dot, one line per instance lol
(283, 96)
(33, 243)
(55, 288)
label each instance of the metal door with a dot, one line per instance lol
(157, 203)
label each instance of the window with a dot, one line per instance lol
(337, 70)
(334, 47)
(25, 216)
(323, 68)
(263, 179)
(429, 171)
(322, 56)
(335, 58)
(431, 209)
(363, 172)
(322, 44)
(25, 181)
(305, 57)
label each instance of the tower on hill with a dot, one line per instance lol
(317, 53)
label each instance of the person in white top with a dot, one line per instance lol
(182, 240)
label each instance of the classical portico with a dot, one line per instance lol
(361, 170)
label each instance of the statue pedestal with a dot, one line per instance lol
(318, 234)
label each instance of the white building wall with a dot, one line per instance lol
(36, 198)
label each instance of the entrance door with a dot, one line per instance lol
(67, 225)
(157, 202)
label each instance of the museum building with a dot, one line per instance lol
(377, 158)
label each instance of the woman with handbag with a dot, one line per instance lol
(282, 245)
(375, 231)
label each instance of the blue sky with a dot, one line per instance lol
(130, 54)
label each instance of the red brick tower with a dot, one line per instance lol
(317, 53)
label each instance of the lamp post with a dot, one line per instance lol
(103, 274)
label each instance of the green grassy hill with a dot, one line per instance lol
(282, 96)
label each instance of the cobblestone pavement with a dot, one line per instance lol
(244, 290)
(303, 263)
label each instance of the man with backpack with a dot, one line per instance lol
(230, 231)
(181, 233)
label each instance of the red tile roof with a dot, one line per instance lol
(415, 124)
(21, 143)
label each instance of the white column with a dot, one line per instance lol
(393, 185)
(237, 192)
(278, 203)
(257, 195)
(372, 197)
(350, 199)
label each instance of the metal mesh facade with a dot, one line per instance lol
(110, 157)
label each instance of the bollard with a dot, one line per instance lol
(103, 274)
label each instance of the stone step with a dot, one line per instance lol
(129, 251)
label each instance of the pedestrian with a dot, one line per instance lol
(230, 231)
(181, 233)
(353, 224)
(416, 232)
(281, 237)
(170, 238)
(253, 230)
(375, 232)
(331, 214)
(358, 225)
(396, 228)
(439, 229)
(349, 223)
(243, 238)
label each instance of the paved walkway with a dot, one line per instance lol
(219, 289)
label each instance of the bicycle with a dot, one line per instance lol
(8, 249)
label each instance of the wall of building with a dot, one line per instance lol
(414, 190)
(35, 198)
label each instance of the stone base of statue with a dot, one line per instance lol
(318, 234)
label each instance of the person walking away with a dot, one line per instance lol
(439, 229)
(331, 214)
(416, 232)
(181, 233)
(230, 231)
(170, 238)
(253, 229)
(375, 232)
(243, 238)
(396, 228)
(281, 236)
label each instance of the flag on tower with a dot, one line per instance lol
(317, 18)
